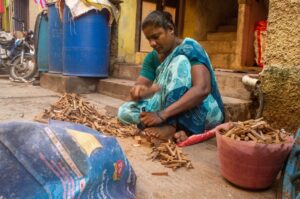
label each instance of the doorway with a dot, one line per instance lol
(21, 11)
(145, 7)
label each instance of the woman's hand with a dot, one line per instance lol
(152, 118)
(135, 92)
(139, 92)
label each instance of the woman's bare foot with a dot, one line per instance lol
(180, 136)
(160, 134)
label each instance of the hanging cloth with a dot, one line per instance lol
(259, 42)
(42, 3)
(1, 7)
(79, 7)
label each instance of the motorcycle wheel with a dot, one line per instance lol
(26, 71)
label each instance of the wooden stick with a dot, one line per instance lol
(277, 141)
(160, 173)
(173, 165)
(252, 137)
(178, 154)
(257, 135)
(170, 150)
(166, 156)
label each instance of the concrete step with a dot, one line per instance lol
(222, 60)
(126, 71)
(230, 83)
(107, 103)
(221, 36)
(68, 84)
(114, 87)
(237, 109)
(213, 47)
(109, 89)
(227, 28)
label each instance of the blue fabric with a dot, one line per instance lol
(62, 160)
(291, 170)
(196, 53)
(174, 78)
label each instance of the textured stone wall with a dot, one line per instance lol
(283, 41)
(281, 76)
(281, 88)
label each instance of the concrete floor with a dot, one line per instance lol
(24, 101)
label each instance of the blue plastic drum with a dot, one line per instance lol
(55, 40)
(86, 44)
(42, 49)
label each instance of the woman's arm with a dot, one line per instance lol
(201, 87)
(143, 81)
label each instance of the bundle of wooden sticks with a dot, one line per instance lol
(256, 130)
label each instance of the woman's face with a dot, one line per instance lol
(160, 39)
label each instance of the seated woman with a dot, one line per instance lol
(178, 73)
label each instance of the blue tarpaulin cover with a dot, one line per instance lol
(61, 160)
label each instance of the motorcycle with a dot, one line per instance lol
(17, 54)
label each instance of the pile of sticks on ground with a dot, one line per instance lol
(72, 108)
(256, 130)
(171, 156)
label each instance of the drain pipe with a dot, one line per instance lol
(254, 84)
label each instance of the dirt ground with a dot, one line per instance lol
(20, 101)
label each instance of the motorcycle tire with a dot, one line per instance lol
(26, 71)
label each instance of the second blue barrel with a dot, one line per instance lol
(55, 40)
(42, 47)
(86, 44)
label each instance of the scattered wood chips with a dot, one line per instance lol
(171, 156)
(72, 108)
(258, 131)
